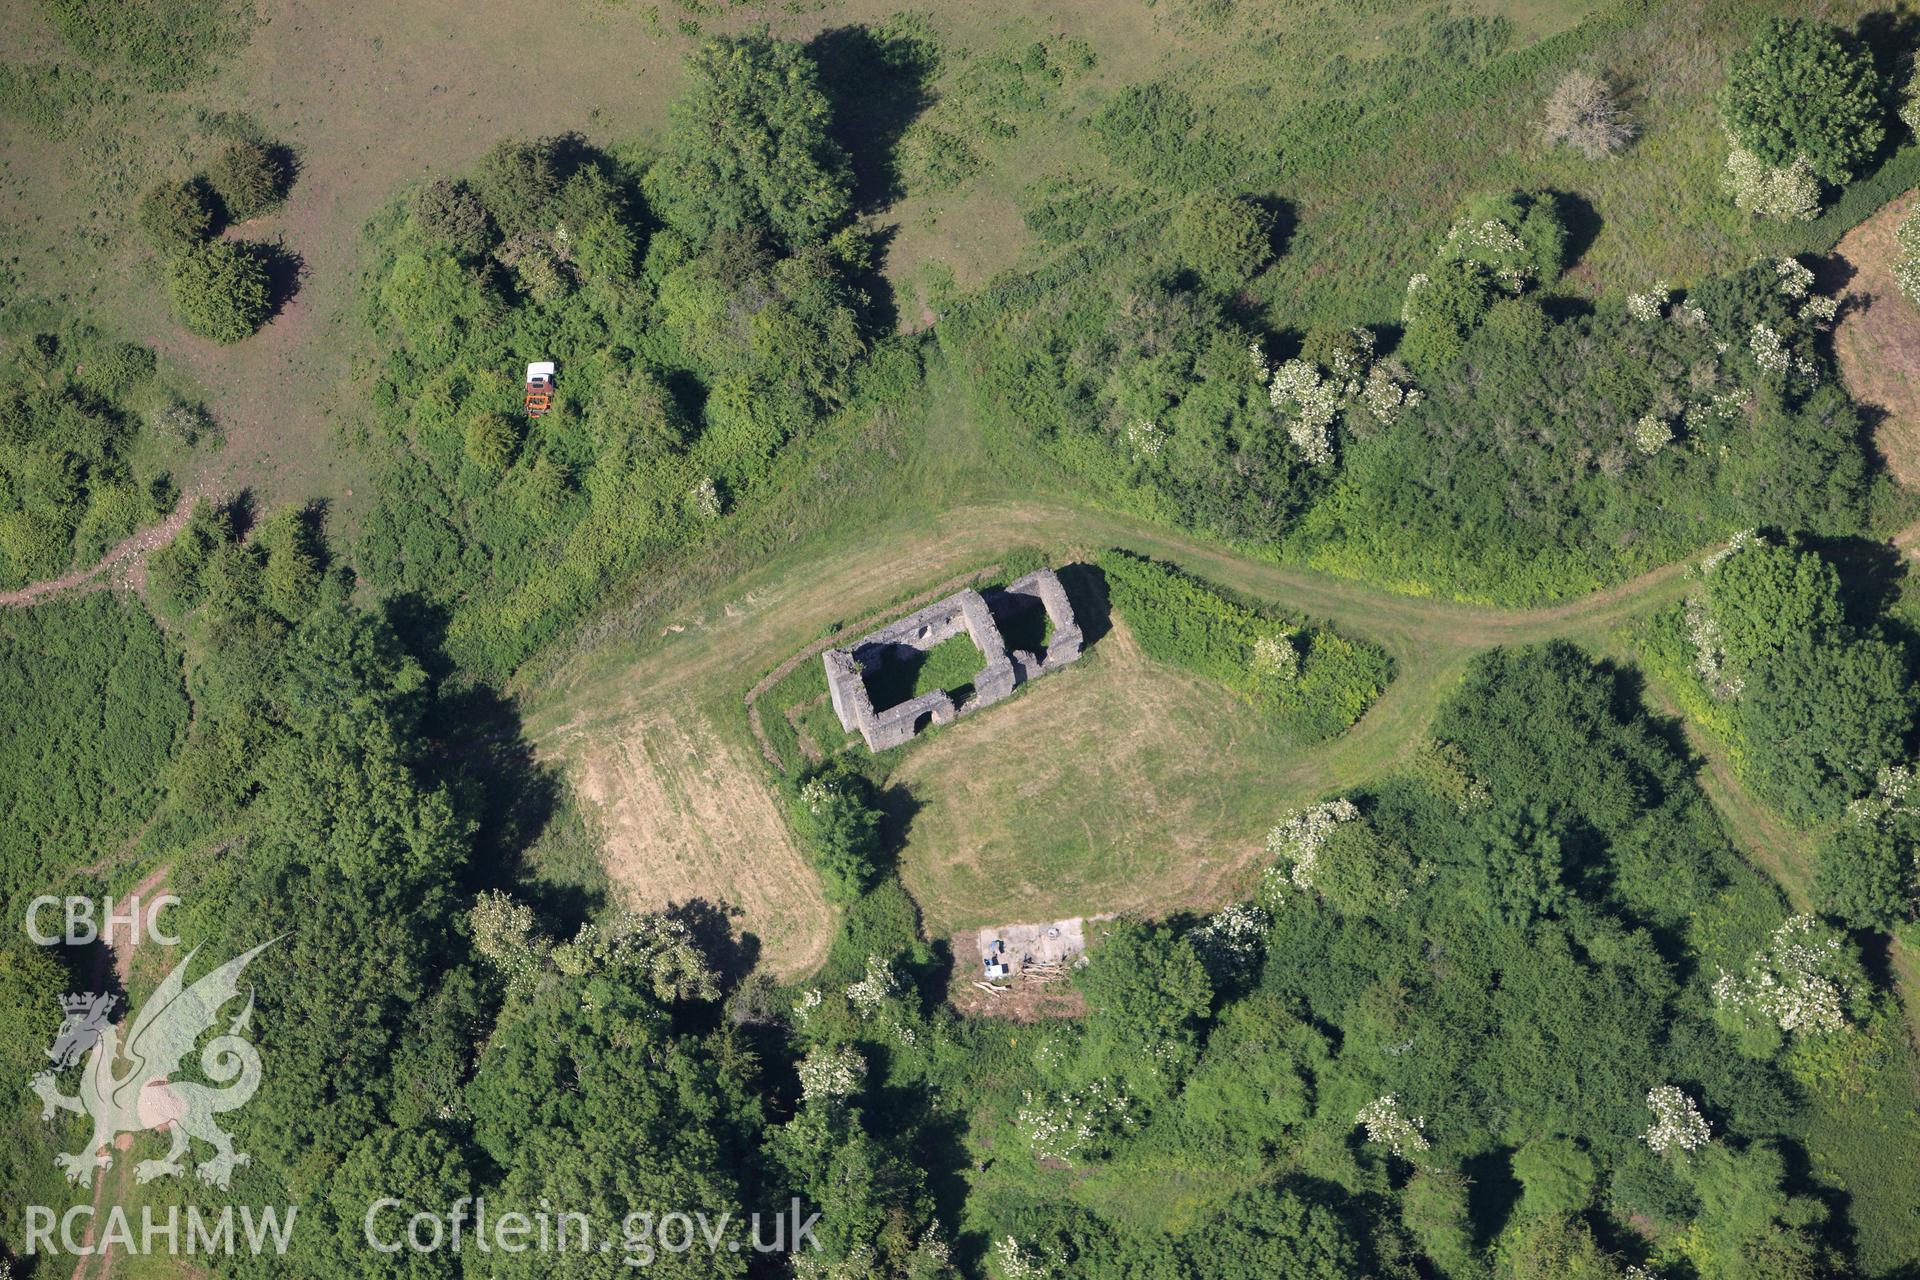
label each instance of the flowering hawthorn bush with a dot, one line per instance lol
(1786, 193)
(1231, 940)
(1677, 1122)
(1651, 305)
(875, 989)
(1387, 1126)
(1018, 1262)
(1076, 1122)
(1652, 433)
(1296, 841)
(1906, 271)
(1275, 658)
(1314, 396)
(1797, 982)
(831, 1074)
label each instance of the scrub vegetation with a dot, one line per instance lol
(1487, 785)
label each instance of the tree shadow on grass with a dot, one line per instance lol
(510, 797)
(877, 81)
(1873, 575)
(286, 272)
(1582, 221)
(710, 922)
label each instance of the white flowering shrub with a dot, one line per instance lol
(809, 1001)
(1275, 658)
(875, 988)
(1819, 310)
(1795, 982)
(1739, 542)
(1652, 433)
(1703, 630)
(1349, 359)
(815, 793)
(1710, 651)
(504, 936)
(1651, 305)
(1892, 792)
(1312, 406)
(1388, 1127)
(1314, 399)
(1790, 193)
(1016, 1261)
(1389, 391)
(705, 497)
(1296, 840)
(856, 1264)
(1075, 1122)
(1796, 278)
(1497, 245)
(1677, 1122)
(659, 948)
(1145, 438)
(1906, 275)
(827, 1075)
(1230, 942)
(1769, 352)
(1906, 270)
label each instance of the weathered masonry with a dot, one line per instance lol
(979, 615)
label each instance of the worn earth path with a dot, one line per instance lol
(129, 556)
(114, 1185)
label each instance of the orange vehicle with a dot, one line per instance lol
(539, 387)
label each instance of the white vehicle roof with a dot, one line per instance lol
(540, 369)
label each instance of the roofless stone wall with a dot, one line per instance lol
(970, 611)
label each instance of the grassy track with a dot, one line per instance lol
(1221, 782)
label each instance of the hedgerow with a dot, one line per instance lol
(1315, 680)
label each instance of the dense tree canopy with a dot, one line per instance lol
(1801, 90)
(751, 147)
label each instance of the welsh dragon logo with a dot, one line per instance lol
(142, 1097)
